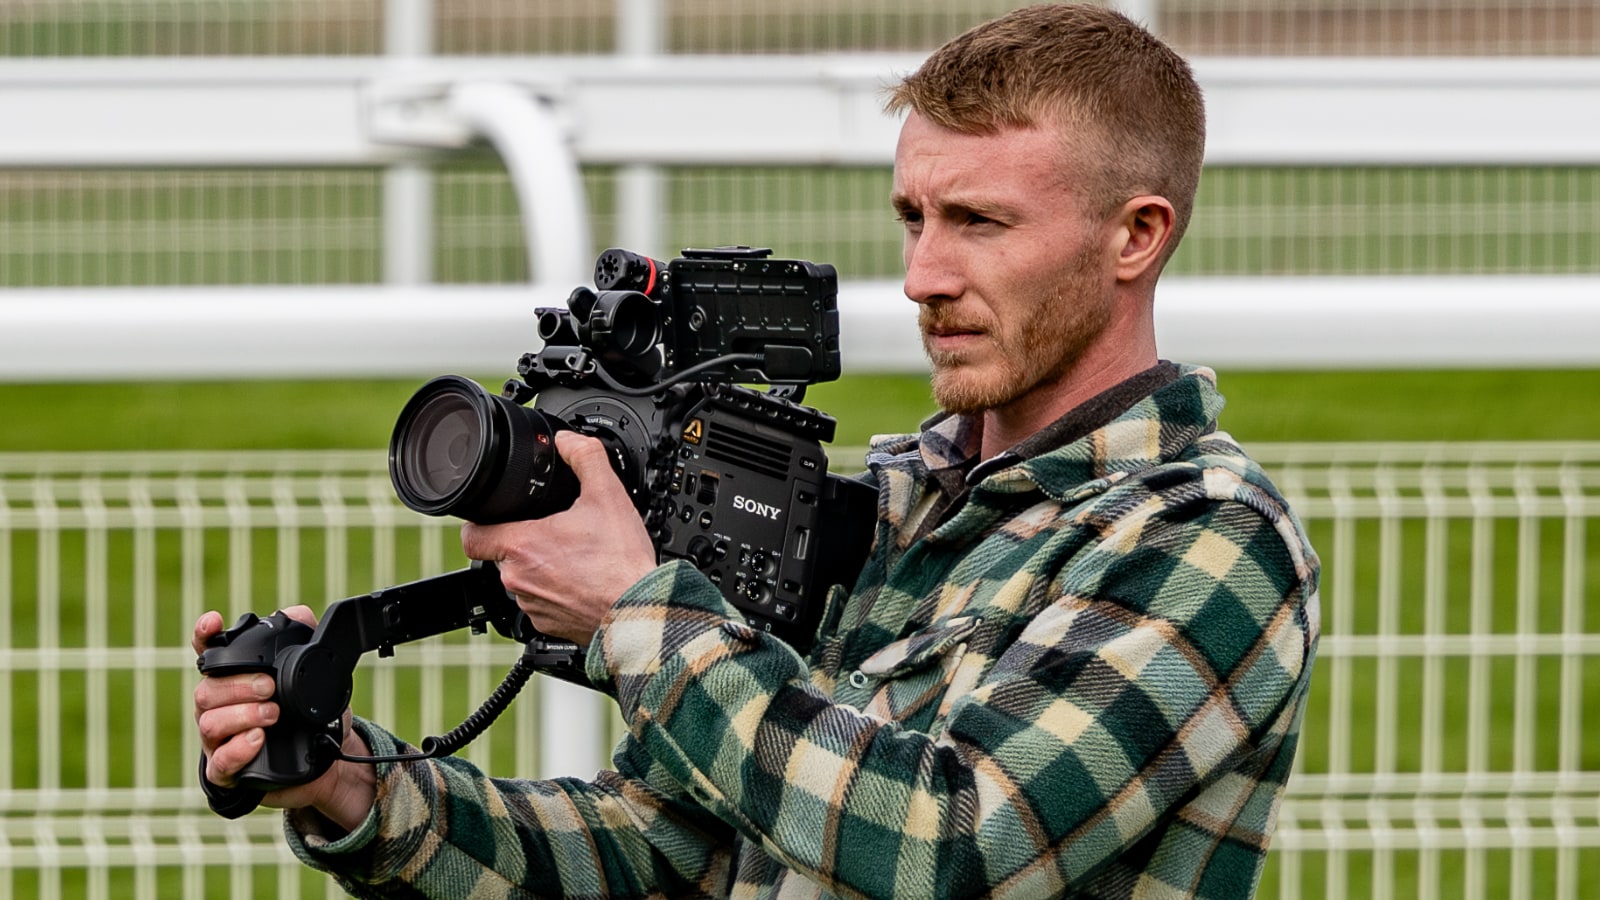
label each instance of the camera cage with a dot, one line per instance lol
(655, 363)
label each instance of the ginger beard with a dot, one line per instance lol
(1052, 323)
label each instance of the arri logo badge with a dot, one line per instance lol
(694, 432)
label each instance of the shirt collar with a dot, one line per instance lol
(951, 443)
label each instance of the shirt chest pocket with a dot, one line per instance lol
(908, 678)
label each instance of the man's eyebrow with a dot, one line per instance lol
(956, 205)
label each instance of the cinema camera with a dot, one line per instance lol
(654, 363)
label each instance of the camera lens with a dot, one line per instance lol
(458, 450)
(445, 450)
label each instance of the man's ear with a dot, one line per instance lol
(1143, 230)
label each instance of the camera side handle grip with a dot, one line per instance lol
(313, 670)
(255, 644)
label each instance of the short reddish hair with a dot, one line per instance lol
(1089, 71)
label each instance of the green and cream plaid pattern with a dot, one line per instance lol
(1086, 682)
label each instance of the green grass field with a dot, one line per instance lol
(1262, 406)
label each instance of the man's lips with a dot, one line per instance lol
(951, 334)
(948, 344)
(940, 328)
(951, 331)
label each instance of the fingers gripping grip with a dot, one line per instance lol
(312, 688)
(314, 670)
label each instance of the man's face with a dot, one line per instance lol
(1004, 258)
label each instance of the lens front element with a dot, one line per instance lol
(444, 450)
(458, 450)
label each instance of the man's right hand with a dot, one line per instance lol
(232, 714)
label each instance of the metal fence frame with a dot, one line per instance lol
(1448, 810)
(1407, 815)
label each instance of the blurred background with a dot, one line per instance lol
(236, 235)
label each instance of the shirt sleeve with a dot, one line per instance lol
(1169, 656)
(441, 828)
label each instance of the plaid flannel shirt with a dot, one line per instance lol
(1087, 682)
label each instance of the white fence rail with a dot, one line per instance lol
(743, 110)
(548, 116)
(1444, 752)
(91, 334)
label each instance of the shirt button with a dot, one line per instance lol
(858, 679)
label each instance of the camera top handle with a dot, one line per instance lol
(314, 671)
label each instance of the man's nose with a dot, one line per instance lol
(933, 272)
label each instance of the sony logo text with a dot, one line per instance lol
(745, 504)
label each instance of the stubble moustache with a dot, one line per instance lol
(1052, 328)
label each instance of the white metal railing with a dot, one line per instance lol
(1257, 322)
(546, 116)
(106, 560)
(1443, 753)
(738, 110)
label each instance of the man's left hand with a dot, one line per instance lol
(567, 569)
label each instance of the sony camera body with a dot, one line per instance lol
(732, 479)
(654, 363)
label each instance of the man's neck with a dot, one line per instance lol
(1005, 427)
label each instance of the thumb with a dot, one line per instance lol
(588, 457)
(301, 614)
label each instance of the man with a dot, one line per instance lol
(1076, 660)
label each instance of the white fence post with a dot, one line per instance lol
(408, 233)
(641, 28)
